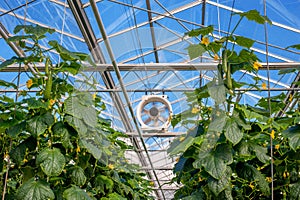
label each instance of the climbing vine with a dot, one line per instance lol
(227, 155)
(53, 143)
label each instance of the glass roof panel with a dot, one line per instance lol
(8, 51)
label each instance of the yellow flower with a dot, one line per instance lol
(177, 159)
(277, 146)
(151, 183)
(6, 157)
(29, 83)
(94, 96)
(264, 85)
(51, 102)
(284, 175)
(290, 97)
(195, 110)
(252, 186)
(258, 168)
(256, 65)
(264, 145)
(78, 149)
(181, 138)
(25, 160)
(216, 57)
(269, 179)
(111, 166)
(205, 41)
(272, 134)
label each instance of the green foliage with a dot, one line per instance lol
(201, 31)
(104, 183)
(54, 143)
(180, 146)
(194, 50)
(254, 15)
(78, 176)
(51, 161)
(217, 91)
(244, 42)
(7, 84)
(33, 190)
(37, 31)
(295, 190)
(296, 46)
(218, 185)
(293, 135)
(75, 193)
(233, 132)
(10, 61)
(37, 125)
(230, 158)
(215, 162)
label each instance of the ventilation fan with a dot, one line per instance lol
(154, 113)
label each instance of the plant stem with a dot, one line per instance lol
(237, 24)
(47, 94)
(6, 173)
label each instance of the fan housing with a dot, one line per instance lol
(154, 113)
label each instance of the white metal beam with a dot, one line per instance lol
(211, 66)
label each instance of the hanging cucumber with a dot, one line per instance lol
(226, 69)
(220, 71)
(228, 78)
(224, 60)
(47, 93)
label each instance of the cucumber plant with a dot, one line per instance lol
(227, 155)
(54, 144)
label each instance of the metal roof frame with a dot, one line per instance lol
(107, 69)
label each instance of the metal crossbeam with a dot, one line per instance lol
(101, 67)
(295, 89)
(156, 134)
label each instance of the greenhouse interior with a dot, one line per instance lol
(153, 99)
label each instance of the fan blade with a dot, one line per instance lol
(143, 114)
(147, 120)
(145, 111)
(156, 123)
(162, 119)
(163, 108)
